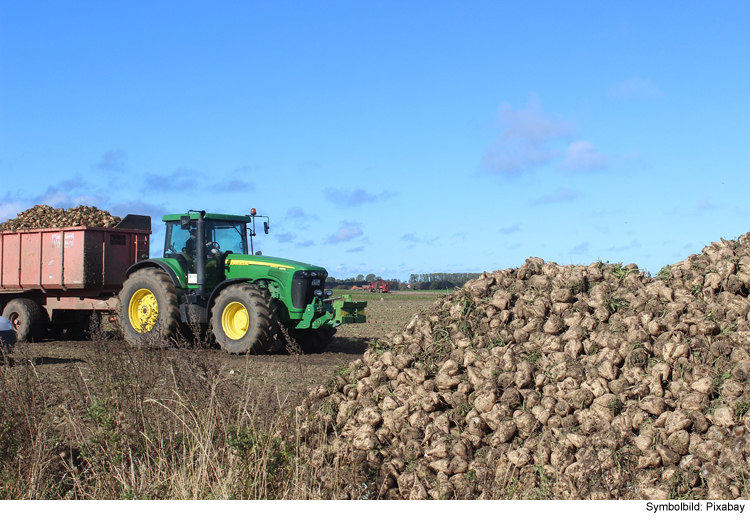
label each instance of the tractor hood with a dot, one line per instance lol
(275, 263)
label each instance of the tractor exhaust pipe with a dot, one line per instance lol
(200, 254)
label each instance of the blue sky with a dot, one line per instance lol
(390, 137)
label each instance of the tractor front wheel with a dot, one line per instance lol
(243, 320)
(149, 309)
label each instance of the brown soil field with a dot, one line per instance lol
(271, 381)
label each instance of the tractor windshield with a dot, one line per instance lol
(230, 236)
(222, 234)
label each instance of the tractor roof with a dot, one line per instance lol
(209, 216)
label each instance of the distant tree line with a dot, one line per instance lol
(434, 285)
(456, 279)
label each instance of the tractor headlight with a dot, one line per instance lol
(318, 293)
(328, 293)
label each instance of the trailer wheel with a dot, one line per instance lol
(148, 307)
(28, 318)
(243, 320)
(313, 341)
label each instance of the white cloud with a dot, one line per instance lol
(617, 249)
(234, 185)
(583, 156)
(412, 240)
(529, 139)
(181, 180)
(354, 197)
(112, 161)
(705, 204)
(9, 209)
(515, 228)
(285, 237)
(580, 249)
(297, 213)
(561, 195)
(347, 231)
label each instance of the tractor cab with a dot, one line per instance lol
(201, 242)
(208, 239)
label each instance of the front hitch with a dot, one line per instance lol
(347, 311)
(332, 314)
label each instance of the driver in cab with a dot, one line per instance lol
(212, 251)
(190, 245)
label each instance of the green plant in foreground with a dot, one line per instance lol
(252, 446)
(100, 412)
(620, 272)
(615, 303)
(496, 342)
(534, 357)
(615, 406)
(664, 273)
(341, 370)
(719, 380)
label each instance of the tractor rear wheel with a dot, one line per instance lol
(243, 320)
(149, 309)
(28, 318)
(313, 341)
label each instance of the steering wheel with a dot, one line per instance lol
(214, 245)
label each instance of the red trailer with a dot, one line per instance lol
(57, 278)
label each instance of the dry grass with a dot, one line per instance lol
(161, 422)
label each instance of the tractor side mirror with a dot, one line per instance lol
(185, 222)
(265, 227)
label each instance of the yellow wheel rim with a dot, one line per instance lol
(143, 310)
(235, 320)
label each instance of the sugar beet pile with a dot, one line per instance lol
(551, 381)
(44, 216)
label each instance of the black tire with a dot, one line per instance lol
(28, 318)
(243, 320)
(149, 309)
(313, 341)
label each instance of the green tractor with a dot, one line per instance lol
(210, 279)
